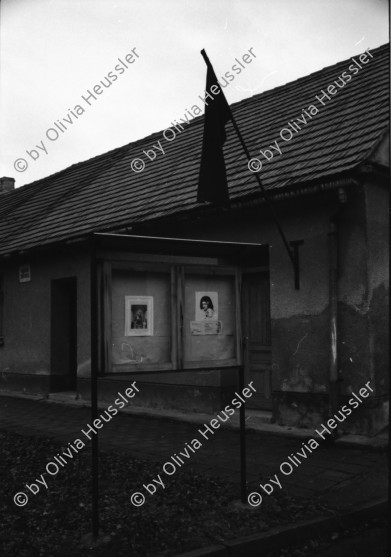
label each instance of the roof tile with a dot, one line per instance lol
(104, 192)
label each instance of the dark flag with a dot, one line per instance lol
(212, 181)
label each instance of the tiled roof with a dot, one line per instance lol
(104, 192)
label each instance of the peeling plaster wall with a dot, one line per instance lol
(25, 356)
(363, 305)
(353, 342)
(300, 319)
(377, 203)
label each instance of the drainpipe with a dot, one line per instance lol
(334, 376)
(333, 304)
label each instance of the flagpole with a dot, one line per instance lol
(266, 196)
(261, 186)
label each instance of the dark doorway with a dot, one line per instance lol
(63, 335)
(256, 331)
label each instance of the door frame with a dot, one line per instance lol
(259, 402)
(63, 374)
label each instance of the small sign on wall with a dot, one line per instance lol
(206, 327)
(24, 273)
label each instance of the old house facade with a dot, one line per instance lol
(185, 286)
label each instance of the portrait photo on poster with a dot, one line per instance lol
(206, 306)
(138, 315)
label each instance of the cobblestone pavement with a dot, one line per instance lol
(339, 475)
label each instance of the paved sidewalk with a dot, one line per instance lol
(339, 475)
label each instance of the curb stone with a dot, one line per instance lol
(252, 545)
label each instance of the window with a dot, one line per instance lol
(209, 327)
(141, 329)
(169, 316)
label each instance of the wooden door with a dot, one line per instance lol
(63, 334)
(257, 337)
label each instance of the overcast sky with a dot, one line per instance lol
(53, 51)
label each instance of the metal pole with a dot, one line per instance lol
(333, 362)
(94, 390)
(242, 410)
(265, 194)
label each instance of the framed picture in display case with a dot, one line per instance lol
(138, 315)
